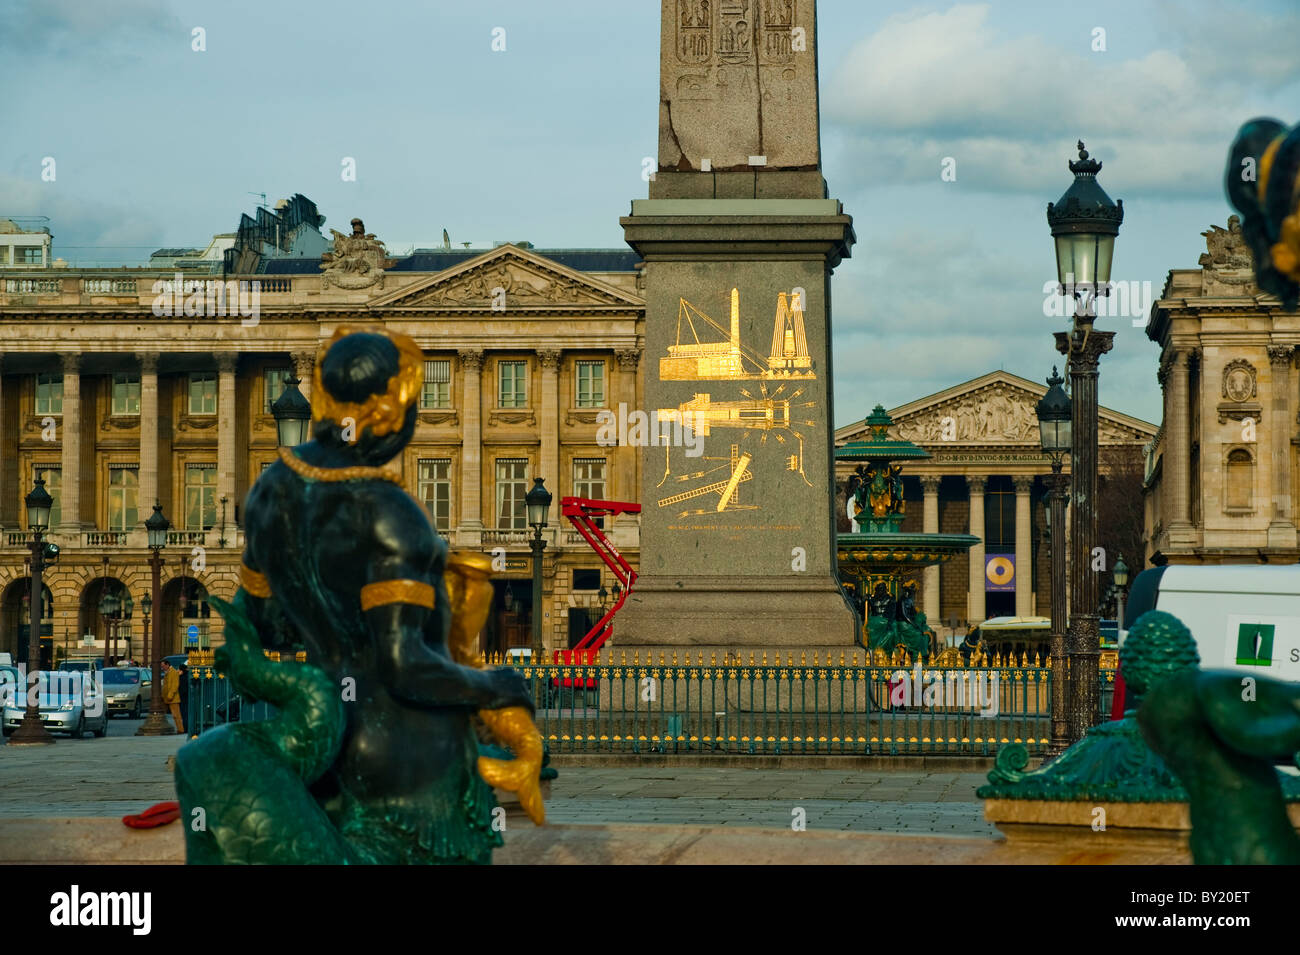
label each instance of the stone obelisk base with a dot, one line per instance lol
(727, 613)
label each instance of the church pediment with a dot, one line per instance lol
(998, 409)
(507, 279)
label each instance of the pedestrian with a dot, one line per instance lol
(172, 694)
(183, 672)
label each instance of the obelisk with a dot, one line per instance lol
(737, 522)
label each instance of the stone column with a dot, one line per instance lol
(226, 437)
(1024, 483)
(625, 481)
(148, 432)
(930, 603)
(1177, 460)
(469, 526)
(304, 364)
(1281, 527)
(549, 423)
(977, 483)
(70, 436)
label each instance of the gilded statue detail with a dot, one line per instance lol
(374, 754)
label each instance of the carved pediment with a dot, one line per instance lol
(997, 409)
(996, 414)
(508, 278)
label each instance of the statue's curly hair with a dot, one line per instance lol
(1158, 645)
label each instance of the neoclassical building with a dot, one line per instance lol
(122, 387)
(1222, 471)
(986, 477)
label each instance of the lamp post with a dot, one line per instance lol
(292, 413)
(146, 608)
(156, 525)
(31, 731)
(1084, 224)
(1119, 577)
(1054, 435)
(538, 502)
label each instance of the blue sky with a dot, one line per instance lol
(158, 145)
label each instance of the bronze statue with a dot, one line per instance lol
(374, 756)
(1221, 733)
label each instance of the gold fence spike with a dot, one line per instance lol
(803, 659)
(751, 658)
(674, 658)
(662, 662)
(623, 657)
(713, 658)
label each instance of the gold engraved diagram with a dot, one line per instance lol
(769, 413)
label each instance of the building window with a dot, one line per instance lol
(1000, 514)
(53, 475)
(591, 384)
(123, 497)
(589, 482)
(275, 379)
(434, 478)
(586, 578)
(49, 394)
(513, 377)
(512, 485)
(27, 255)
(437, 384)
(126, 394)
(203, 392)
(1241, 481)
(200, 496)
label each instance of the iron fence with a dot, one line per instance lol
(778, 708)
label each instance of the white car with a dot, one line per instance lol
(69, 703)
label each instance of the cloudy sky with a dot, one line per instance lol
(158, 145)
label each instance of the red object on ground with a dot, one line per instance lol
(580, 511)
(158, 815)
(1117, 701)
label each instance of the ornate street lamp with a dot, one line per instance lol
(1119, 576)
(1084, 224)
(156, 526)
(1055, 436)
(30, 731)
(292, 412)
(538, 503)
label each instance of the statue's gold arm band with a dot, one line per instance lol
(397, 592)
(255, 583)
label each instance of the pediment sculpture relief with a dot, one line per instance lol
(499, 285)
(1228, 268)
(998, 416)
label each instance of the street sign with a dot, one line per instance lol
(192, 633)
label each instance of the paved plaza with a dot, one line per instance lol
(124, 774)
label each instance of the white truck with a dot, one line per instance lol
(1244, 617)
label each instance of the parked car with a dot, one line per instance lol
(127, 690)
(10, 679)
(70, 702)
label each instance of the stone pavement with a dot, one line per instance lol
(117, 776)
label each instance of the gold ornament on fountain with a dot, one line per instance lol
(469, 587)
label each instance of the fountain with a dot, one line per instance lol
(878, 557)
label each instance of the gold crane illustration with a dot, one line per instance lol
(730, 359)
(728, 491)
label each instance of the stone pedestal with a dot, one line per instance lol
(737, 489)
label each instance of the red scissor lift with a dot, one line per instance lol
(581, 511)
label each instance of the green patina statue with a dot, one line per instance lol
(1222, 733)
(373, 756)
(1112, 763)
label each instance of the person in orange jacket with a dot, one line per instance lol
(171, 690)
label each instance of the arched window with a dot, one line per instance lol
(1239, 489)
